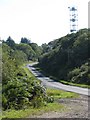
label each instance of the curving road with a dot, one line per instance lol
(51, 83)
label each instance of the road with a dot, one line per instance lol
(47, 82)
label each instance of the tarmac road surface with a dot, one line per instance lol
(47, 82)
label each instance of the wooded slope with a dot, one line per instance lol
(67, 58)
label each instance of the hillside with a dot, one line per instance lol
(67, 58)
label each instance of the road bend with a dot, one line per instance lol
(47, 82)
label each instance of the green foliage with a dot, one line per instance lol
(80, 75)
(56, 94)
(39, 96)
(20, 89)
(32, 50)
(29, 112)
(37, 49)
(22, 93)
(74, 72)
(45, 48)
(68, 57)
(10, 42)
(75, 84)
(8, 65)
(19, 57)
(27, 50)
(25, 40)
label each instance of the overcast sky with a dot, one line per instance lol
(40, 21)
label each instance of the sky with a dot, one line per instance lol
(41, 21)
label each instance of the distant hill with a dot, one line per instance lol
(67, 58)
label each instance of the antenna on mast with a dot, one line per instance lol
(73, 19)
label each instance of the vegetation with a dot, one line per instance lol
(58, 94)
(20, 88)
(67, 58)
(30, 111)
(55, 94)
(74, 84)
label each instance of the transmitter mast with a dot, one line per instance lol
(73, 19)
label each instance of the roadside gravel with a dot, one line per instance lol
(74, 108)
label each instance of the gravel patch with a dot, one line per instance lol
(74, 108)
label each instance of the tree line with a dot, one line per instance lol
(67, 58)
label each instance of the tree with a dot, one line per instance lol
(25, 40)
(10, 42)
(37, 49)
(45, 47)
(27, 49)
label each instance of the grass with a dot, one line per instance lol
(74, 84)
(58, 94)
(32, 111)
(55, 106)
(28, 62)
(27, 71)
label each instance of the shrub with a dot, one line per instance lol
(73, 73)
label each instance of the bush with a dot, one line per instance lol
(39, 95)
(21, 93)
(73, 73)
(80, 75)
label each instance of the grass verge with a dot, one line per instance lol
(32, 111)
(28, 72)
(55, 106)
(74, 84)
(59, 94)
